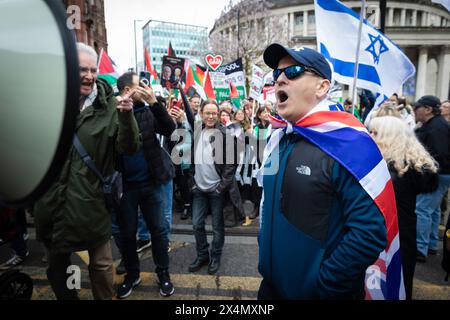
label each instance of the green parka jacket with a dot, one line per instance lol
(72, 215)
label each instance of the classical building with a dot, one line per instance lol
(421, 28)
(187, 41)
(92, 30)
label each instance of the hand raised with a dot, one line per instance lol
(125, 103)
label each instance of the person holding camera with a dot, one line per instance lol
(144, 175)
(72, 216)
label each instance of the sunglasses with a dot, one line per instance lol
(292, 72)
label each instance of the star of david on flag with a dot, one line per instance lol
(376, 47)
(383, 67)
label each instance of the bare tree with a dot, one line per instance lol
(257, 28)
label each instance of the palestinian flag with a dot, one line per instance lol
(108, 70)
(149, 67)
(234, 95)
(200, 73)
(194, 79)
(170, 51)
(207, 85)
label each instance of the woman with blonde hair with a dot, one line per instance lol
(388, 108)
(413, 171)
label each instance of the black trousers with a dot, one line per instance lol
(182, 179)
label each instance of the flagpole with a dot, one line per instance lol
(358, 46)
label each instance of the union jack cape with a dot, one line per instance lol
(344, 138)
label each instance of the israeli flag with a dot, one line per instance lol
(383, 67)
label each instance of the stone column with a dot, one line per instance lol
(403, 18)
(390, 17)
(305, 23)
(422, 72)
(424, 18)
(291, 24)
(414, 18)
(443, 78)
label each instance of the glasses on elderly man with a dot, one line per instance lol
(85, 70)
(292, 72)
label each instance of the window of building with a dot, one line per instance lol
(397, 17)
(311, 19)
(419, 18)
(298, 19)
(409, 18)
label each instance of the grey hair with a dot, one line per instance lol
(81, 47)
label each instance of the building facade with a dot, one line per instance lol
(421, 28)
(92, 29)
(188, 41)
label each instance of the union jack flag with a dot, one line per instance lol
(344, 138)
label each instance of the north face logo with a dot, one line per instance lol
(304, 170)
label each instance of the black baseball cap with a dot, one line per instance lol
(429, 101)
(304, 56)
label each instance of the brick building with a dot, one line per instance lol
(92, 29)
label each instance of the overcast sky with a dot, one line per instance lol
(120, 16)
(445, 3)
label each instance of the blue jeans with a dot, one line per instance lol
(149, 198)
(428, 211)
(167, 198)
(201, 201)
(167, 204)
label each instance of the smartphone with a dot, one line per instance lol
(144, 76)
(176, 104)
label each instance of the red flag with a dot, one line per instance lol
(148, 64)
(189, 76)
(208, 86)
(171, 52)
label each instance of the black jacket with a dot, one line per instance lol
(227, 169)
(406, 188)
(435, 136)
(152, 120)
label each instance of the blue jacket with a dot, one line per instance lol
(320, 230)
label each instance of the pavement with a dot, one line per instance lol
(237, 279)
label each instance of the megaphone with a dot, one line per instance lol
(39, 94)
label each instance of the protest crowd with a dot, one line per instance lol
(356, 181)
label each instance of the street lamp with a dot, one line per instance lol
(382, 15)
(135, 45)
(238, 29)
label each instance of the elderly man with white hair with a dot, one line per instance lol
(72, 215)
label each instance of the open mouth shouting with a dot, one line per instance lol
(86, 86)
(282, 98)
